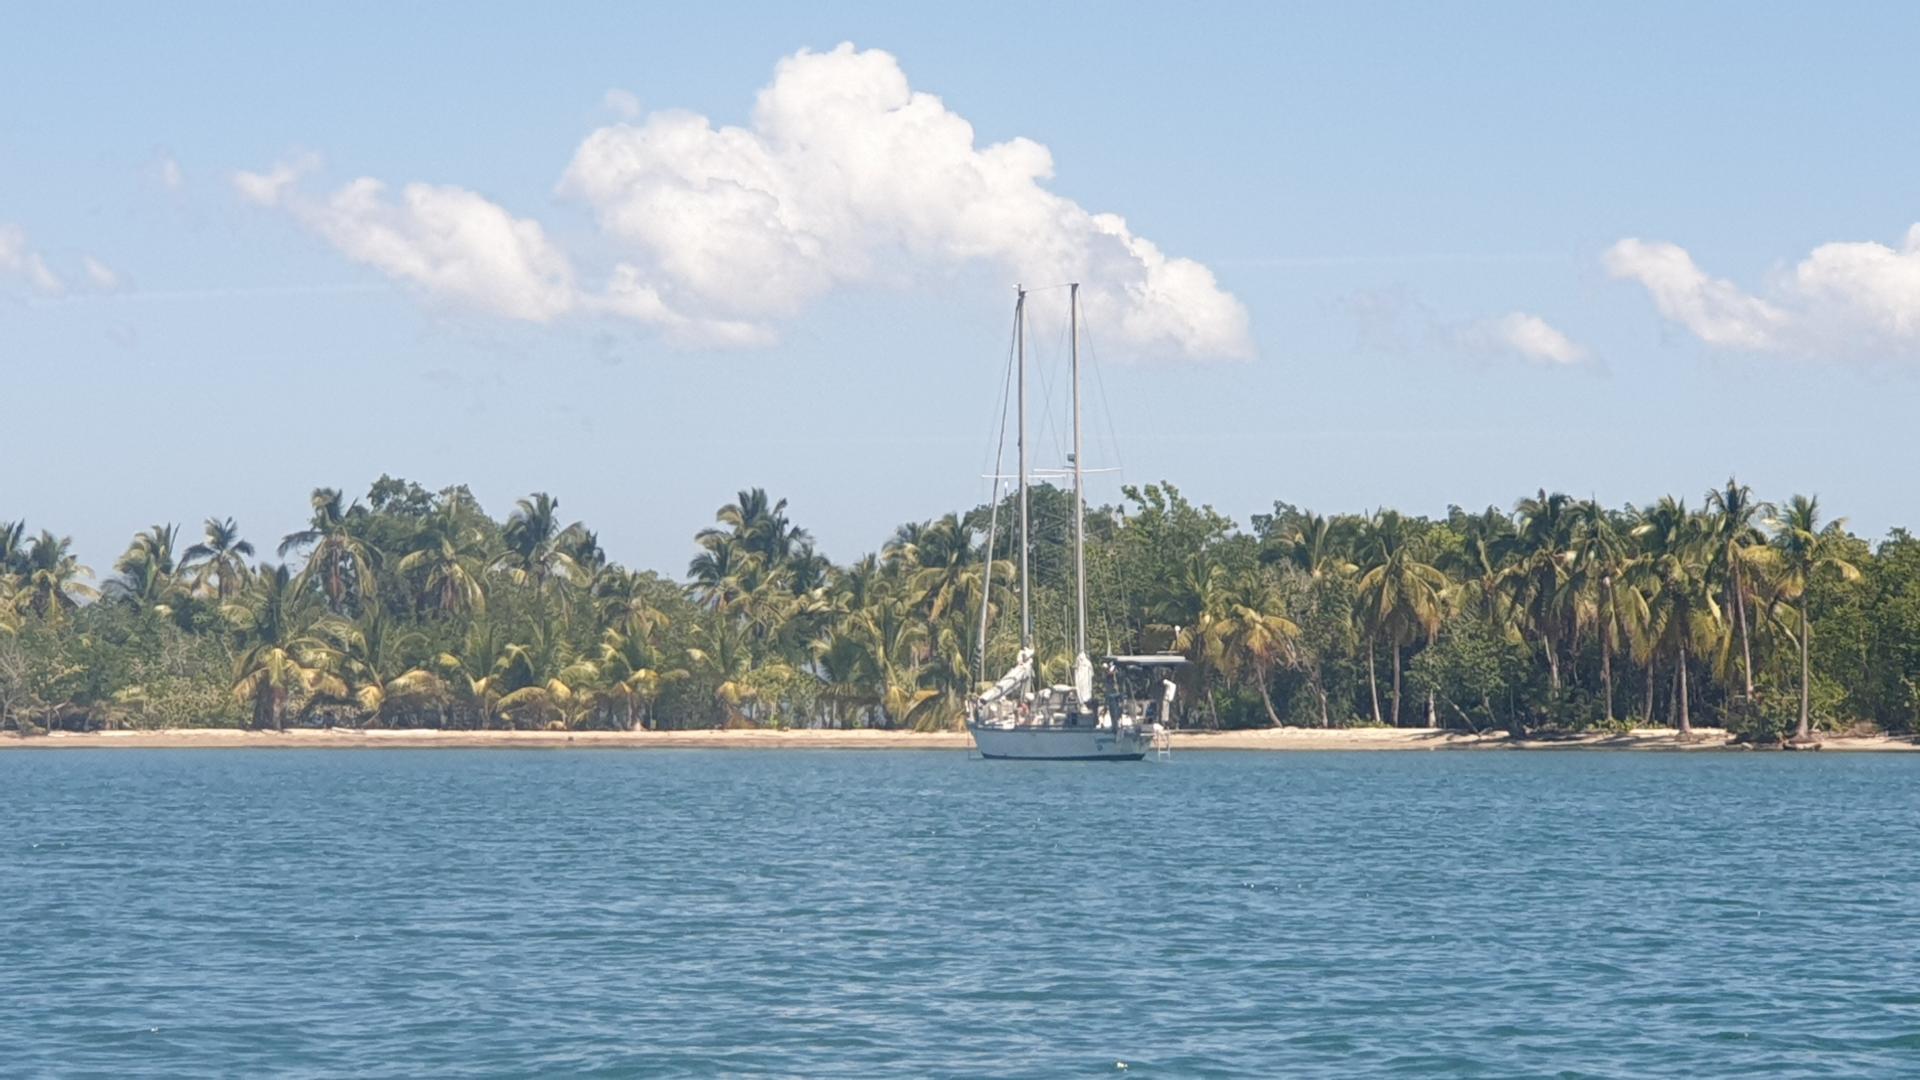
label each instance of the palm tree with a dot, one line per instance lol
(1399, 597)
(338, 559)
(1602, 557)
(1538, 576)
(1316, 546)
(473, 675)
(1683, 618)
(634, 670)
(1736, 535)
(759, 525)
(219, 559)
(148, 576)
(51, 579)
(278, 658)
(1802, 553)
(1257, 634)
(448, 560)
(539, 549)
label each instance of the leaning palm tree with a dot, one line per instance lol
(1258, 636)
(219, 560)
(1802, 553)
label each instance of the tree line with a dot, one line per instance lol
(413, 608)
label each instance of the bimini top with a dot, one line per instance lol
(1153, 660)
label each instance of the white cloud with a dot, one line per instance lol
(1844, 297)
(846, 174)
(19, 259)
(268, 188)
(1714, 309)
(1530, 336)
(449, 241)
(621, 103)
(170, 174)
(102, 275)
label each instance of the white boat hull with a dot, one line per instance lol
(1035, 743)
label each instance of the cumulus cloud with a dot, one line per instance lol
(1529, 336)
(845, 175)
(19, 259)
(449, 241)
(1843, 297)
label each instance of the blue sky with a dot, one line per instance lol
(1412, 216)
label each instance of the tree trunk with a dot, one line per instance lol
(1553, 662)
(1266, 698)
(1396, 684)
(1606, 672)
(1373, 684)
(1646, 714)
(1432, 721)
(1746, 647)
(1806, 671)
(1686, 726)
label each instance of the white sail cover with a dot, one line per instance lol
(1021, 672)
(1083, 679)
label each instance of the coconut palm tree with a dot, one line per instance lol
(1399, 597)
(1602, 556)
(339, 560)
(1315, 546)
(51, 581)
(1802, 553)
(1257, 635)
(1736, 537)
(448, 562)
(539, 549)
(1683, 618)
(1538, 577)
(219, 560)
(278, 657)
(635, 671)
(149, 578)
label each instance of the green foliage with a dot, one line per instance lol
(411, 607)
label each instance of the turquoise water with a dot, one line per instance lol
(506, 913)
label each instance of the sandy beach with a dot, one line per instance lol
(1280, 739)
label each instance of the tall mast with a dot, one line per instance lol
(1079, 499)
(1020, 350)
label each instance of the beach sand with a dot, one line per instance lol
(1280, 739)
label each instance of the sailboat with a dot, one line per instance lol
(1123, 718)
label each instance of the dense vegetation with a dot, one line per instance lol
(415, 608)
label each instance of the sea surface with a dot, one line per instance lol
(852, 914)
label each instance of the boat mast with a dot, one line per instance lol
(1020, 350)
(1079, 499)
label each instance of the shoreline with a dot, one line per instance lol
(1261, 739)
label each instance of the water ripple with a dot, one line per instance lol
(398, 913)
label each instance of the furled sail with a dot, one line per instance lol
(1083, 679)
(1012, 680)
